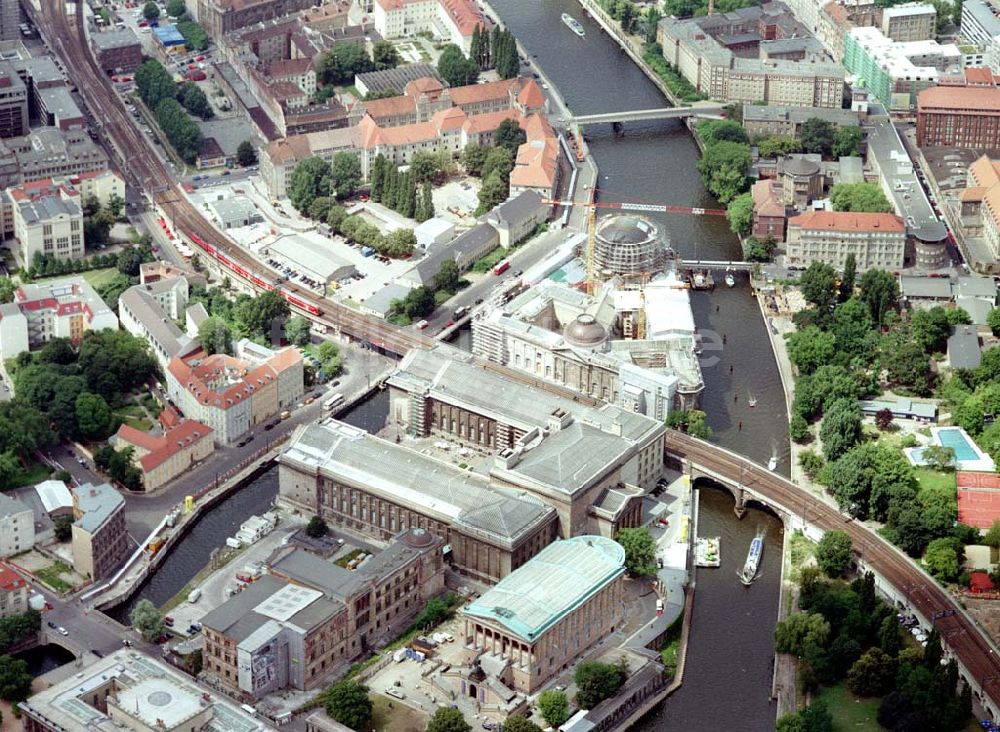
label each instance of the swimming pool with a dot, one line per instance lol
(957, 440)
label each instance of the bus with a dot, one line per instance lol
(460, 312)
(502, 267)
(333, 401)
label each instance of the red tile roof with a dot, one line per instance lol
(980, 582)
(464, 14)
(959, 98)
(9, 579)
(163, 447)
(848, 221)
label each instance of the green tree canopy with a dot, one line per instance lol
(150, 11)
(348, 703)
(455, 68)
(800, 632)
(810, 348)
(517, 723)
(317, 527)
(246, 154)
(448, 719)
(345, 172)
(342, 62)
(215, 336)
(833, 553)
(740, 214)
(176, 8)
(873, 674)
(385, 55)
(841, 428)
(509, 134)
(724, 168)
(819, 287)
(15, 681)
(817, 136)
(640, 551)
(147, 619)
(859, 197)
(597, 681)
(554, 707)
(847, 141)
(943, 559)
(880, 292)
(311, 178)
(297, 329)
(776, 147)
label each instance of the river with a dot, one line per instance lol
(728, 674)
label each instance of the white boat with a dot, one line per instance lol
(573, 24)
(749, 572)
(772, 464)
(730, 280)
(752, 400)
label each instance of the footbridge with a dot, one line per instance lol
(713, 264)
(896, 574)
(708, 110)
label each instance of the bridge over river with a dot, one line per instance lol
(708, 110)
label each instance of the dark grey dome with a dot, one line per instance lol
(800, 166)
(417, 538)
(585, 332)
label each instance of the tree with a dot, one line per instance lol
(817, 136)
(385, 55)
(930, 328)
(15, 681)
(150, 11)
(215, 336)
(799, 632)
(509, 134)
(798, 429)
(872, 674)
(400, 242)
(992, 535)
(942, 559)
(499, 160)
(348, 703)
(859, 197)
(520, 724)
(176, 8)
(883, 419)
(814, 718)
(195, 37)
(740, 214)
(848, 277)
(905, 361)
(939, 457)
(819, 287)
(869, 478)
(259, 312)
(993, 321)
(596, 682)
(880, 292)
(847, 141)
(7, 289)
(448, 719)
(554, 707)
(640, 551)
(129, 260)
(195, 101)
(426, 210)
(474, 157)
(810, 348)
(93, 415)
(720, 130)
(841, 428)
(493, 192)
(246, 154)
(345, 171)
(455, 68)
(446, 280)
(147, 619)
(317, 527)
(115, 206)
(154, 83)
(297, 330)
(311, 177)
(723, 169)
(833, 553)
(342, 62)
(63, 527)
(776, 147)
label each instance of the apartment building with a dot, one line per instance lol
(980, 206)
(877, 240)
(65, 308)
(13, 102)
(766, 121)
(46, 218)
(100, 538)
(894, 73)
(540, 619)
(754, 54)
(151, 311)
(49, 152)
(234, 394)
(13, 592)
(163, 457)
(959, 116)
(219, 17)
(914, 21)
(308, 618)
(17, 525)
(117, 51)
(980, 21)
(450, 20)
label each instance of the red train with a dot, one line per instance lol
(252, 278)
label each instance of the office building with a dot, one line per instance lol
(65, 308)
(379, 488)
(117, 51)
(751, 55)
(17, 526)
(308, 618)
(980, 21)
(452, 21)
(219, 17)
(13, 102)
(100, 538)
(232, 395)
(877, 240)
(46, 218)
(540, 619)
(914, 21)
(766, 121)
(959, 116)
(128, 690)
(49, 152)
(768, 210)
(10, 20)
(894, 73)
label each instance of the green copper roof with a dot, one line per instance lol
(552, 584)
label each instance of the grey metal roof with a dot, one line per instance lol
(798, 115)
(11, 506)
(522, 207)
(402, 475)
(98, 503)
(471, 241)
(114, 39)
(396, 79)
(308, 569)
(159, 327)
(48, 207)
(963, 348)
(902, 407)
(380, 300)
(57, 100)
(925, 287)
(983, 287)
(240, 608)
(896, 169)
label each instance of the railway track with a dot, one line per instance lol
(973, 650)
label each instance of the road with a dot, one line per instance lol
(964, 638)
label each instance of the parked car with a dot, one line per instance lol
(62, 630)
(52, 625)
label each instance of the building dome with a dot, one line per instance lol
(628, 245)
(585, 332)
(417, 538)
(800, 166)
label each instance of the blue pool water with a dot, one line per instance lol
(957, 441)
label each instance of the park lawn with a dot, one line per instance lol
(390, 715)
(51, 576)
(801, 549)
(33, 474)
(850, 713)
(98, 277)
(936, 481)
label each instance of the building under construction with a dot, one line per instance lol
(628, 245)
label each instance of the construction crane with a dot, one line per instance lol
(592, 207)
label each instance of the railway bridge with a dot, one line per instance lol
(897, 576)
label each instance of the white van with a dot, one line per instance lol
(333, 401)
